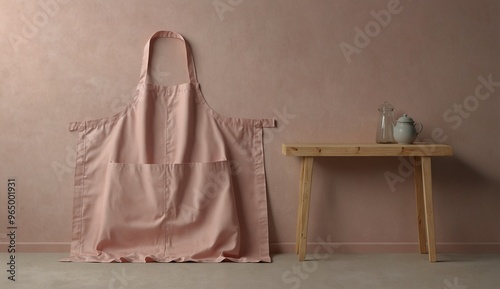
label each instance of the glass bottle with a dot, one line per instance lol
(386, 124)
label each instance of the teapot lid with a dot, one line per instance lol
(386, 106)
(405, 118)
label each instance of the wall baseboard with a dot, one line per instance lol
(410, 247)
(38, 247)
(312, 247)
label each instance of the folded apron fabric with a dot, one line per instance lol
(169, 179)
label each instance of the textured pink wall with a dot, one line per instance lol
(303, 62)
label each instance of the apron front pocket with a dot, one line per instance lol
(202, 221)
(133, 211)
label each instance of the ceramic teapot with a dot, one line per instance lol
(405, 131)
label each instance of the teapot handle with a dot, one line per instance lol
(421, 127)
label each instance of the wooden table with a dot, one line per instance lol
(421, 152)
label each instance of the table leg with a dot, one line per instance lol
(419, 194)
(299, 213)
(304, 202)
(429, 208)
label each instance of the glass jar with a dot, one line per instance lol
(386, 124)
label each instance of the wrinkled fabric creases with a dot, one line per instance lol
(168, 179)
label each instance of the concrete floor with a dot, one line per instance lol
(367, 271)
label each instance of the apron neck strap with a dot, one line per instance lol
(148, 49)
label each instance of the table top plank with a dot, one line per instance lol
(366, 149)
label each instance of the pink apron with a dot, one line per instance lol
(169, 179)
